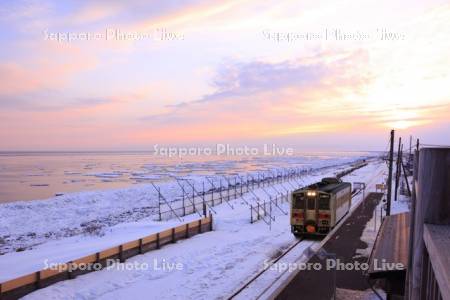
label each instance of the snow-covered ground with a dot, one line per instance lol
(370, 232)
(213, 264)
(26, 224)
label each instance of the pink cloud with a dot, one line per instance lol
(51, 67)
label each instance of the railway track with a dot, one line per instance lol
(255, 277)
(294, 245)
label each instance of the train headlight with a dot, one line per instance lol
(311, 193)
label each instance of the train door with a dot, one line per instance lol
(311, 212)
(311, 206)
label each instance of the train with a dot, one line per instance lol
(317, 208)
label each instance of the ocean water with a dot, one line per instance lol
(41, 175)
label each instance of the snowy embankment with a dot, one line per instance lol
(213, 264)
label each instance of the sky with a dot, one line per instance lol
(126, 75)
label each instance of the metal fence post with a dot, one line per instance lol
(184, 207)
(220, 183)
(193, 196)
(258, 216)
(270, 216)
(211, 221)
(212, 195)
(240, 179)
(228, 190)
(204, 204)
(264, 203)
(159, 205)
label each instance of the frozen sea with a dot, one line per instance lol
(42, 175)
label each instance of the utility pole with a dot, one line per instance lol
(397, 172)
(417, 145)
(389, 183)
(406, 177)
(410, 145)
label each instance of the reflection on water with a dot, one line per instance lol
(40, 175)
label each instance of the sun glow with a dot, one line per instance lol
(405, 124)
(401, 124)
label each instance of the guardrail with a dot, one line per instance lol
(18, 287)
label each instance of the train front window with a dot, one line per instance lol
(299, 202)
(311, 203)
(324, 203)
